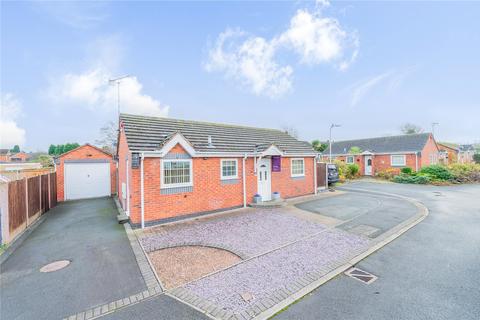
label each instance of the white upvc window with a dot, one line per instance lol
(350, 159)
(398, 160)
(176, 173)
(297, 167)
(228, 169)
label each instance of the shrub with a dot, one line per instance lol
(347, 171)
(352, 170)
(387, 174)
(418, 179)
(407, 170)
(476, 158)
(437, 172)
(467, 172)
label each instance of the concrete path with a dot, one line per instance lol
(103, 267)
(430, 272)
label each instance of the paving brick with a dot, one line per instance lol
(104, 308)
(89, 314)
(96, 311)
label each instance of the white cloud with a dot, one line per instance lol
(75, 14)
(91, 88)
(390, 81)
(252, 61)
(317, 39)
(10, 133)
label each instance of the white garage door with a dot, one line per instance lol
(87, 180)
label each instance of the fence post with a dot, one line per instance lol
(26, 201)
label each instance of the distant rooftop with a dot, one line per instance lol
(400, 143)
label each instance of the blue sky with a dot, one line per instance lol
(370, 66)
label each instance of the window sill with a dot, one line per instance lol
(175, 190)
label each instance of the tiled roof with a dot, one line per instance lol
(403, 143)
(150, 133)
(466, 147)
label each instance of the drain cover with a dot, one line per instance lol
(361, 275)
(55, 266)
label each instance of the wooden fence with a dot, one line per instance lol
(28, 199)
(322, 175)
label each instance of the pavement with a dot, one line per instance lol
(103, 267)
(430, 272)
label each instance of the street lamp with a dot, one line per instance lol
(117, 82)
(330, 140)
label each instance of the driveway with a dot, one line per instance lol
(362, 213)
(103, 267)
(430, 272)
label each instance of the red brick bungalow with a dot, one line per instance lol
(394, 152)
(170, 169)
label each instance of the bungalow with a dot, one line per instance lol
(448, 153)
(378, 154)
(170, 169)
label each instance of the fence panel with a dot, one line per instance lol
(33, 196)
(53, 189)
(44, 193)
(322, 175)
(17, 207)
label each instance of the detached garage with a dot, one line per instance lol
(85, 172)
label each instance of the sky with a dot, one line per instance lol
(368, 66)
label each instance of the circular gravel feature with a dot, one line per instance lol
(55, 266)
(179, 265)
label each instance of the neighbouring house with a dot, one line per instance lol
(7, 156)
(465, 153)
(85, 172)
(374, 155)
(170, 169)
(448, 153)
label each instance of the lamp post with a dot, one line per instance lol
(330, 139)
(117, 82)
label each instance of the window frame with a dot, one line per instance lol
(222, 177)
(403, 164)
(294, 175)
(350, 157)
(164, 185)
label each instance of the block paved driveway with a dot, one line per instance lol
(103, 267)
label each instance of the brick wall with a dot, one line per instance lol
(430, 148)
(82, 153)
(209, 191)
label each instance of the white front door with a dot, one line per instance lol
(264, 179)
(87, 180)
(368, 165)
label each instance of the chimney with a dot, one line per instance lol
(210, 144)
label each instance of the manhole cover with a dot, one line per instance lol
(361, 275)
(55, 266)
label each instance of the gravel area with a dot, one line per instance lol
(179, 265)
(265, 274)
(246, 233)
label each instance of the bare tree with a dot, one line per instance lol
(410, 128)
(291, 130)
(108, 137)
